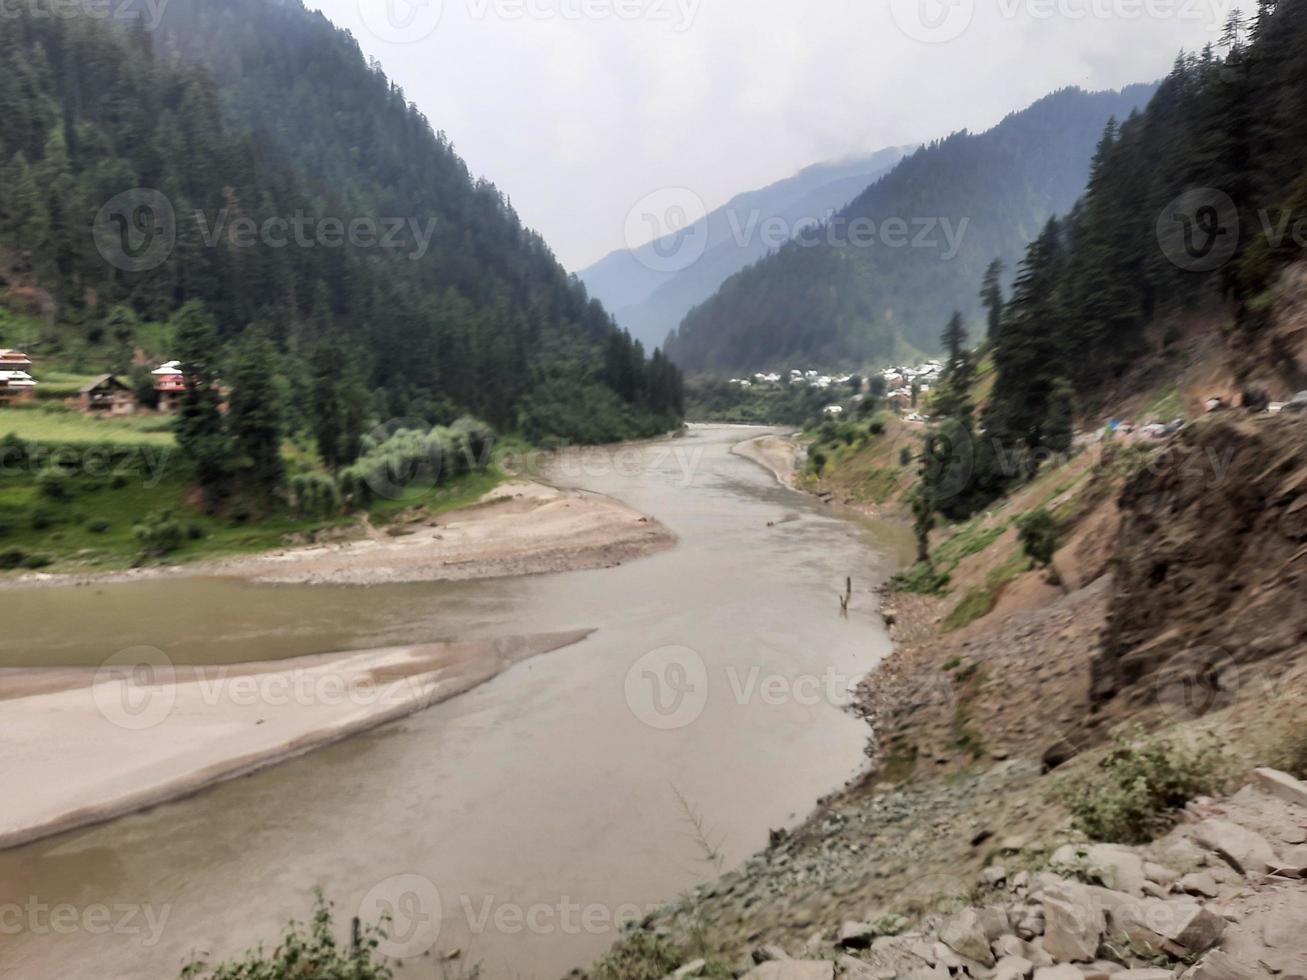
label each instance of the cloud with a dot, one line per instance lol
(579, 108)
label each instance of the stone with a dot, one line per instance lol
(1154, 974)
(1064, 971)
(1118, 868)
(855, 935)
(1200, 883)
(1073, 925)
(1154, 890)
(965, 934)
(1281, 785)
(993, 876)
(1008, 946)
(1013, 968)
(1285, 924)
(1177, 928)
(793, 970)
(691, 969)
(995, 922)
(1160, 875)
(1245, 850)
(767, 953)
(1218, 965)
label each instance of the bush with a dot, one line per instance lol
(37, 561)
(98, 527)
(1137, 791)
(1039, 534)
(159, 535)
(53, 482)
(12, 558)
(41, 519)
(905, 456)
(119, 481)
(876, 427)
(5, 526)
(307, 950)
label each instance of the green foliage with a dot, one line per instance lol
(98, 526)
(160, 534)
(905, 456)
(645, 956)
(52, 482)
(1139, 788)
(315, 495)
(1038, 531)
(265, 112)
(410, 460)
(980, 601)
(922, 578)
(852, 303)
(254, 417)
(307, 951)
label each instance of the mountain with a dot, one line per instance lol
(211, 136)
(880, 280)
(1196, 211)
(650, 295)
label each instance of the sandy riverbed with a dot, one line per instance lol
(87, 745)
(519, 528)
(775, 453)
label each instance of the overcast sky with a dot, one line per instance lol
(578, 109)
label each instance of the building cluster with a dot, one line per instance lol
(810, 378)
(106, 394)
(16, 381)
(900, 382)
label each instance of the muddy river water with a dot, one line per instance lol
(519, 822)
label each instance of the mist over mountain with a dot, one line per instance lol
(879, 281)
(650, 294)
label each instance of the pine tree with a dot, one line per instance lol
(198, 426)
(254, 416)
(991, 297)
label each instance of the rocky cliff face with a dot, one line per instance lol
(1209, 595)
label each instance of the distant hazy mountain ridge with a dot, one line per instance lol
(650, 295)
(881, 281)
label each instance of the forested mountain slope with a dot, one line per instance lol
(649, 296)
(1200, 203)
(843, 295)
(262, 110)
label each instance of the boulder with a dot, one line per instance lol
(965, 934)
(1013, 968)
(1217, 965)
(1064, 971)
(793, 970)
(767, 953)
(1282, 785)
(1073, 925)
(691, 969)
(1160, 875)
(1200, 883)
(1245, 850)
(855, 935)
(1176, 928)
(1116, 867)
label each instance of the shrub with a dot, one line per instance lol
(119, 481)
(37, 561)
(12, 558)
(53, 482)
(306, 950)
(5, 526)
(876, 427)
(41, 519)
(98, 527)
(816, 459)
(1039, 534)
(159, 535)
(1139, 788)
(905, 456)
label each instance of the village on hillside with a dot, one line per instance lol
(901, 387)
(105, 394)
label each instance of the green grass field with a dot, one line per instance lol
(38, 424)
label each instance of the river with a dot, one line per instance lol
(515, 823)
